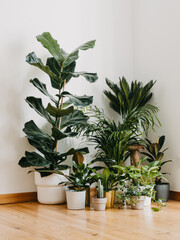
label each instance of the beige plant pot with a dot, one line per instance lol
(75, 199)
(99, 204)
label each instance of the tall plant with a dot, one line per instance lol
(62, 116)
(132, 103)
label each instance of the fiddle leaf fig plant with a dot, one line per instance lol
(63, 112)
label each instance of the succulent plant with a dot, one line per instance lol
(100, 190)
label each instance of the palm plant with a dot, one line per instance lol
(62, 116)
(112, 140)
(131, 102)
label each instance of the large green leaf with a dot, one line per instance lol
(42, 87)
(73, 56)
(32, 59)
(72, 151)
(73, 119)
(105, 174)
(36, 104)
(90, 77)
(80, 101)
(33, 159)
(51, 45)
(57, 112)
(37, 138)
(58, 135)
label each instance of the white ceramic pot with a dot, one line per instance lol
(147, 200)
(139, 204)
(99, 204)
(48, 189)
(75, 200)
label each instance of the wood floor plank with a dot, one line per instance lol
(40, 222)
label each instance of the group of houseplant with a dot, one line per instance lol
(116, 141)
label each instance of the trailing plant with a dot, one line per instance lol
(159, 206)
(131, 102)
(62, 116)
(155, 152)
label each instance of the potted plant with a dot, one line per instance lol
(78, 181)
(99, 202)
(61, 114)
(154, 152)
(110, 182)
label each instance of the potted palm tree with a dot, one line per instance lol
(62, 113)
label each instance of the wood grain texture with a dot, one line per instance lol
(33, 221)
(174, 195)
(18, 197)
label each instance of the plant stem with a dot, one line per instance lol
(61, 104)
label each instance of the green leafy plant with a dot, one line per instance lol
(132, 103)
(112, 140)
(62, 116)
(155, 152)
(159, 204)
(108, 178)
(80, 179)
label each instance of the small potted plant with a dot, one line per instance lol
(78, 181)
(154, 152)
(99, 202)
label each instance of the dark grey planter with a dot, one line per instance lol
(162, 191)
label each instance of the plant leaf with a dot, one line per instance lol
(90, 77)
(42, 88)
(51, 45)
(73, 119)
(82, 101)
(36, 104)
(57, 112)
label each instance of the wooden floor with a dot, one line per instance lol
(34, 221)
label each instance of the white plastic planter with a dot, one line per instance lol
(139, 204)
(48, 189)
(147, 200)
(75, 200)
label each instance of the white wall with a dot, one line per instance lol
(72, 23)
(156, 34)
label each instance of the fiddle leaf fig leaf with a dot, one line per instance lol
(90, 77)
(82, 101)
(74, 119)
(36, 104)
(73, 56)
(33, 159)
(58, 135)
(51, 45)
(32, 59)
(42, 88)
(38, 139)
(56, 112)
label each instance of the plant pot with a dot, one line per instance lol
(48, 190)
(99, 204)
(75, 199)
(87, 202)
(162, 191)
(110, 198)
(147, 200)
(138, 203)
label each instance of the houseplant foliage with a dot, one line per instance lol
(131, 102)
(62, 116)
(154, 152)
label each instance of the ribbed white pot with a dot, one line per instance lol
(48, 190)
(75, 200)
(147, 200)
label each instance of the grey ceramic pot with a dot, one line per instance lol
(162, 191)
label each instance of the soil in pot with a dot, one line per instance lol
(162, 191)
(99, 204)
(75, 199)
